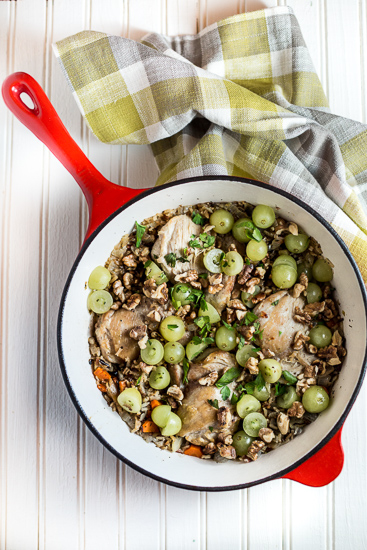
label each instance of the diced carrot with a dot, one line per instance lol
(194, 450)
(122, 385)
(102, 374)
(155, 403)
(102, 388)
(149, 427)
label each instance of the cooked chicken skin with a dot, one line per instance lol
(221, 299)
(174, 237)
(279, 325)
(218, 361)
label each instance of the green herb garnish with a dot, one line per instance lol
(197, 218)
(227, 325)
(138, 381)
(289, 377)
(203, 241)
(211, 428)
(275, 303)
(280, 333)
(172, 327)
(230, 375)
(250, 317)
(140, 230)
(279, 389)
(225, 392)
(213, 403)
(186, 366)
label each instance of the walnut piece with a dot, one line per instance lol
(252, 365)
(237, 304)
(138, 332)
(226, 451)
(296, 410)
(259, 298)
(187, 276)
(247, 332)
(119, 290)
(314, 309)
(127, 279)
(209, 380)
(250, 285)
(160, 294)
(254, 449)
(132, 302)
(209, 449)
(299, 340)
(245, 274)
(154, 316)
(176, 393)
(224, 417)
(215, 283)
(266, 434)
(129, 261)
(283, 423)
(149, 286)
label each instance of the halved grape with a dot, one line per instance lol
(253, 423)
(99, 301)
(286, 400)
(315, 399)
(172, 328)
(247, 404)
(153, 352)
(320, 336)
(212, 260)
(322, 271)
(256, 250)
(152, 271)
(263, 216)
(232, 263)
(174, 352)
(159, 378)
(180, 293)
(193, 350)
(244, 354)
(211, 312)
(297, 243)
(306, 269)
(314, 293)
(240, 228)
(173, 425)
(271, 370)
(225, 338)
(263, 394)
(246, 297)
(130, 400)
(283, 276)
(160, 415)
(99, 278)
(222, 221)
(242, 442)
(285, 259)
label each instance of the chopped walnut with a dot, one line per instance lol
(254, 449)
(127, 279)
(129, 261)
(154, 316)
(329, 354)
(250, 285)
(115, 306)
(299, 340)
(230, 315)
(293, 228)
(175, 392)
(172, 402)
(183, 311)
(314, 309)
(247, 332)
(311, 349)
(283, 423)
(132, 302)
(301, 286)
(161, 294)
(240, 314)
(303, 385)
(138, 332)
(259, 298)
(209, 449)
(196, 284)
(266, 434)
(187, 276)
(149, 286)
(260, 272)
(296, 410)
(225, 437)
(237, 304)
(215, 283)
(245, 274)
(330, 310)
(145, 368)
(226, 451)
(301, 316)
(209, 380)
(119, 290)
(309, 371)
(252, 365)
(143, 342)
(337, 340)
(224, 417)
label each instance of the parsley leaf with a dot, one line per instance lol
(258, 383)
(250, 317)
(211, 428)
(171, 259)
(204, 325)
(140, 230)
(275, 303)
(241, 343)
(227, 325)
(206, 241)
(213, 403)
(225, 392)
(256, 235)
(138, 381)
(228, 376)
(280, 333)
(234, 399)
(172, 327)
(147, 264)
(279, 389)
(197, 218)
(203, 275)
(186, 367)
(289, 377)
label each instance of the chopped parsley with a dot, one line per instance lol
(279, 389)
(148, 263)
(225, 392)
(258, 383)
(234, 399)
(204, 325)
(171, 259)
(140, 230)
(202, 241)
(203, 275)
(138, 381)
(227, 325)
(197, 340)
(275, 303)
(213, 403)
(289, 377)
(241, 343)
(211, 428)
(252, 232)
(172, 327)
(250, 317)
(280, 333)
(230, 375)
(197, 218)
(186, 367)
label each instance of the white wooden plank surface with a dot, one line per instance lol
(55, 477)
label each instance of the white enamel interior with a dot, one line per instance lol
(174, 467)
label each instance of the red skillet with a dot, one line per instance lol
(104, 198)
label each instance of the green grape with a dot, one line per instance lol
(286, 400)
(225, 338)
(240, 228)
(297, 243)
(253, 423)
(263, 216)
(153, 352)
(211, 312)
(263, 394)
(232, 263)
(99, 278)
(159, 378)
(245, 353)
(285, 259)
(180, 294)
(174, 352)
(152, 271)
(173, 425)
(212, 260)
(256, 250)
(99, 301)
(193, 350)
(314, 293)
(160, 415)
(247, 404)
(283, 276)
(172, 328)
(222, 221)
(271, 370)
(242, 442)
(320, 336)
(246, 297)
(130, 400)
(322, 271)
(306, 269)
(315, 399)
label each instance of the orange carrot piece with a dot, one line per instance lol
(149, 427)
(155, 403)
(122, 385)
(102, 388)
(102, 374)
(194, 450)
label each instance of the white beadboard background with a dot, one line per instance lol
(59, 487)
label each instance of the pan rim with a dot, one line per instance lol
(74, 398)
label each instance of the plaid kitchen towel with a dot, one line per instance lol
(240, 98)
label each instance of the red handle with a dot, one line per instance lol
(323, 467)
(103, 197)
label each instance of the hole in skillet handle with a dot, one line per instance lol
(26, 99)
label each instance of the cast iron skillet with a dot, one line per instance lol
(106, 201)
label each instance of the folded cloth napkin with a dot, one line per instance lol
(240, 98)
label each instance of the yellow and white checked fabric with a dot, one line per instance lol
(240, 98)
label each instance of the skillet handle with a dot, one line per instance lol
(323, 467)
(43, 121)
